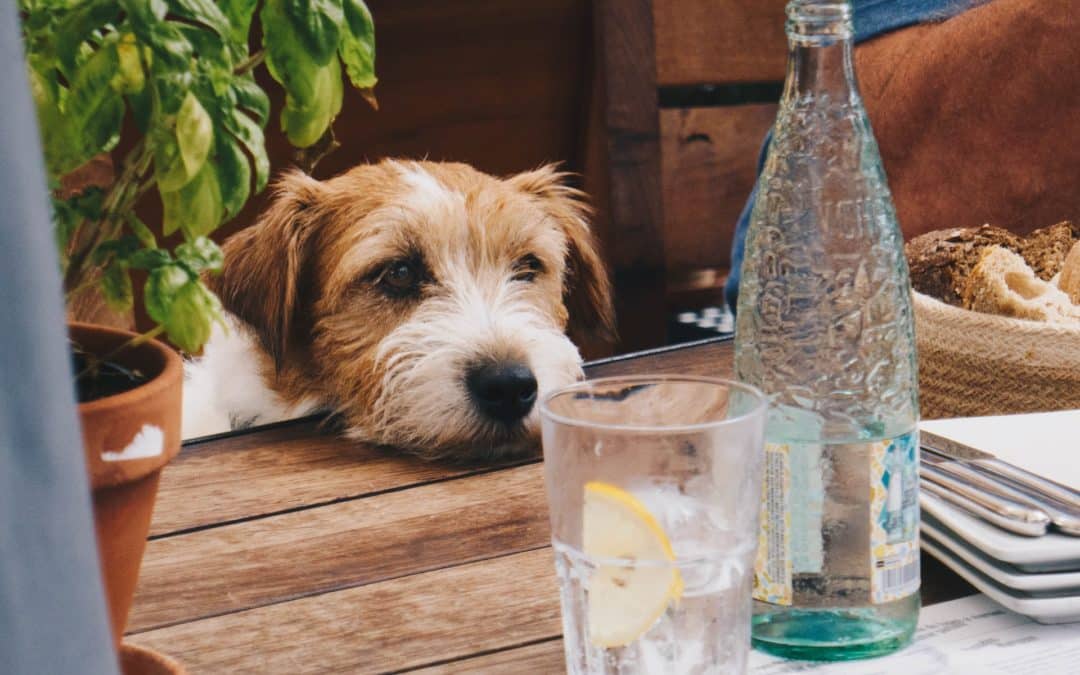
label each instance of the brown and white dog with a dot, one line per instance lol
(427, 305)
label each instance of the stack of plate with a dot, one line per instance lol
(1039, 576)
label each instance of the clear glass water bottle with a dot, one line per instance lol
(825, 326)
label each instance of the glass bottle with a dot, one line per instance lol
(825, 326)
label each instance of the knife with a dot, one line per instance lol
(977, 510)
(1064, 519)
(987, 463)
(1004, 513)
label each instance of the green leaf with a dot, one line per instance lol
(305, 121)
(76, 26)
(318, 23)
(234, 174)
(141, 231)
(194, 134)
(69, 213)
(203, 12)
(44, 88)
(142, 106)
(172, 87)
(251, 97)
(162, 287)
(129, 78)
(116, 286)
(250, 134)
(196, 208)
(170, 48)
(200, 254)
(239, 13)
(150, 259)
(358, 45)
(170, 170)
(191, 315)
(115, 249)
(65, 222)
(287, 60)
(88, 204)
(92, 117)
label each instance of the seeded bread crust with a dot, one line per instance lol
(940, 261)
(1045, 249)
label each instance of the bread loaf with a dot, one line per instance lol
(1002, 283)
(1069, 277)
(1045, 249)
(941, 260)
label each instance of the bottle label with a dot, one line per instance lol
(894, 525)
(794, 507)
(773, 566)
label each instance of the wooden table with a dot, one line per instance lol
(290, 550)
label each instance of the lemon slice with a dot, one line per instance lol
(625, 600)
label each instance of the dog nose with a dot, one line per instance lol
(504, 392)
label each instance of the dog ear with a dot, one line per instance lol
(262, 280)
(586, 288)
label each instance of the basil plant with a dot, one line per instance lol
(175, 79)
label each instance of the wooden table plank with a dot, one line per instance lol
(361, 541)
(255, 474)
(395, 625)
(543, 657)
(289, 550)
(714, 358)
(278, 469)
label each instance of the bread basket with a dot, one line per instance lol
(981, 364)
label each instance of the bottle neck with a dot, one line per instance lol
(820, 40)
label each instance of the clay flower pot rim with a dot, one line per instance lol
(159, 383)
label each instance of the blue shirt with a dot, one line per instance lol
(871, 18)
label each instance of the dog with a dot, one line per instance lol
(425, 305)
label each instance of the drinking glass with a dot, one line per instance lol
(654, 485)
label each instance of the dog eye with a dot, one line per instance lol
(527, 268)
(401, 277)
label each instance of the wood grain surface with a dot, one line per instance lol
(713, 358)
(719, 41)
(287, 467)
(623, 168)
(709, 168)
(498, 85)
(395, 625)
(541, 657)
(350, 543)
(302, 553)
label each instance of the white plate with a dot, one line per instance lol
(1049, 553)
(1010, 577)
(1044, 443)
(1062, 609)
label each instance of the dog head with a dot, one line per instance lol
(428, 304)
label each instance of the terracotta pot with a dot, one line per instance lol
(128, 438)
(138, 660)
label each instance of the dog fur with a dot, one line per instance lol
(320, 317)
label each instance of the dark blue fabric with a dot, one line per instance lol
(871, 18)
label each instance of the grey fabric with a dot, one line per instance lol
(51, 619)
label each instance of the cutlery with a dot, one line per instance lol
(1063, 518)
(988, 463)
(1004, 513)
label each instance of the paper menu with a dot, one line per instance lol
(1044, 443)
(970, 635)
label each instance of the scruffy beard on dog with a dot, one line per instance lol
(426, 305)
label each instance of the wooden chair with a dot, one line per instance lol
(682, 94)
